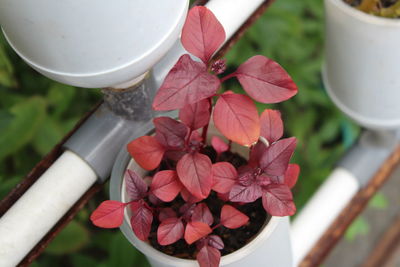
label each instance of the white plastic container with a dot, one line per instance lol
(92, 43)
(361, 72)
(271, 247)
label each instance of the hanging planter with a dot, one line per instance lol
(361, 72)
(189, 196)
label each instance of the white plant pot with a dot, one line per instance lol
(271, 247)
(92, 43)
(361, 71)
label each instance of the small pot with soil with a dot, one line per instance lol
(361, 67)
(264, 239)
(195, 192)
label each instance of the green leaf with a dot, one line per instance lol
(48, 135)
(359, 227)
(28, 117)
(378, 201)
(7, 185)
(79, 260)
(123, 253)
(71, 238)
(6, 70)
(60, 97)
(5, 119)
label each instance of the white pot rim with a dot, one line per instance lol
(364, 17)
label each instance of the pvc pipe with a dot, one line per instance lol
(321, 210)
(233, 13)
(42, 206)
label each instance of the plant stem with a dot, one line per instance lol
(205, 128)
(223, 79)
(216, 226)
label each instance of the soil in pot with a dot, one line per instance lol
(233, 239)
(382, 8)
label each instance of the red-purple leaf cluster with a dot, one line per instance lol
(185, 167)
(189, 85)
(268, 173)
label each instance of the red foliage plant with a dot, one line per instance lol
(191, 86)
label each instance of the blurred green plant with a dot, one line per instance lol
(36, 112)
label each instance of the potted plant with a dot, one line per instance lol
(361, 67)
(189, 193)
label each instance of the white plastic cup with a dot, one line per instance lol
(92, 43)
(271, 247)
(362, 67)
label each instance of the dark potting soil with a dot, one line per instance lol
(233, 239)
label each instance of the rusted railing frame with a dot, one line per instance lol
(359, 202)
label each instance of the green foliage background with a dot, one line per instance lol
(36, 112)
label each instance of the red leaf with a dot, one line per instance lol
(263, 180)
(289, 178)
(276, 158)
(224, 177)
(187, 83)
(135, 186)
(170, 231)
(196, 230)
(208, 257)
(271, 125)
(265, 80)
(170, 133)
(278, 200)
(202, 33)
(110, 214)
(219, 145)
(175, 155)
(236, 117)
(196, 115)
(215, 242)
(153, 199)
(166, 213)
(202, 213)
(166, 185)
(246, 194)
(291, 175)
(232, 218)
(223, 197)
(188, 197)
(194, 171)
(146, 151)
(256, 153)
(141, 219)
(187, 210)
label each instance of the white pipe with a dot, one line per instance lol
(41, 207)
(233, 13)
(321, 210)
